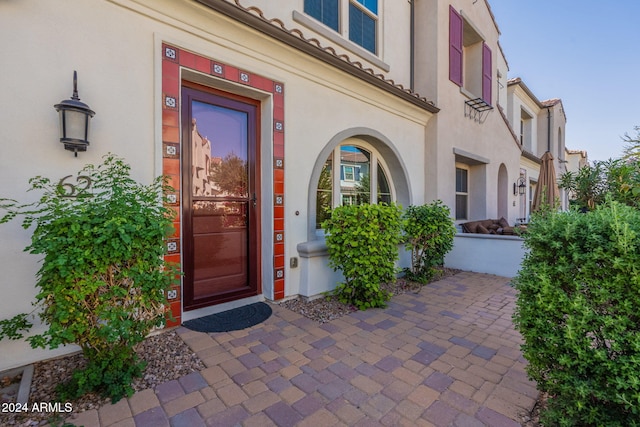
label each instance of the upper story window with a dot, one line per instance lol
(362, 18)
(470, 59)
(526, 131)
(325, 11)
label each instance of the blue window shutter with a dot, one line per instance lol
(486, 73)
(455, 46)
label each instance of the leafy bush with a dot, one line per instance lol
(578, 310)
(591, 184)
(103, 278)
(362, 241)
(429, 232)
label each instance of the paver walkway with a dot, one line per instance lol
(447, 356)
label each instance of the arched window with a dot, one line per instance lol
(353, 174)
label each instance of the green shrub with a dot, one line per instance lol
(578, 310)
(429, 232)
(103, 279)
(592, 184)
(362, 241)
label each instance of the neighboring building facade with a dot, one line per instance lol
(539, 126)
(263, 114)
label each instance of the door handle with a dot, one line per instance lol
(254, 199)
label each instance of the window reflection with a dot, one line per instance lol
(354, 172)
(219, 153)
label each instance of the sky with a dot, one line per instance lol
(585, 52)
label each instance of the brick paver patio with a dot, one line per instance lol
(447, 356)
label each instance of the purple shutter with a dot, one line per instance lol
(486, 74)
(455, 46)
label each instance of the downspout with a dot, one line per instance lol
(412, 30)
(548, 129)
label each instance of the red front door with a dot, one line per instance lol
(220, 204)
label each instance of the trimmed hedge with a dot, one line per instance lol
(362, 241)
(578, 310)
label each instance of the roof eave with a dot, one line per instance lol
(268, 28)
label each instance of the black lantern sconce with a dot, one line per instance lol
(520, 187)
(74, 121)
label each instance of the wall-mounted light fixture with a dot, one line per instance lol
(520, 187)
(74, 121)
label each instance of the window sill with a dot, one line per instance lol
(312, 249)
(336, 38)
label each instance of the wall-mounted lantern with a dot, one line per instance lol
(520, 187)
(74, 121)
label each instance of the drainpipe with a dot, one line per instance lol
(548, 129)
(412, 30)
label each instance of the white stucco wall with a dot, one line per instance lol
(115, 47)
(488, 140)
(492, 254)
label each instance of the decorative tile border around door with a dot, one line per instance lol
(174, 58)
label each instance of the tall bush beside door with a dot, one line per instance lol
(578, 310)
(103, 279)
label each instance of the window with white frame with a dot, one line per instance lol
(462, 193)
(351, 175)
(362, 18)
(526, 130)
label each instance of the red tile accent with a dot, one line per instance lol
(278, 262)
(231, 73)
(173, 259)
(170, 134)
(171, 139)
(171, 166)
(203, 64)
(278, 287)
(176, 211)
(177, 322)
(170, 71)
(187, 59)
(164, 50)
(261, 83)
(175, 289)
(176, 308)
(170, 84)
(278, 249)
(170, 118)
(278, 101)
(278, 113)
(278, 212)
(214, 69)
(174, 181)
(278, 139)
(176, 231)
